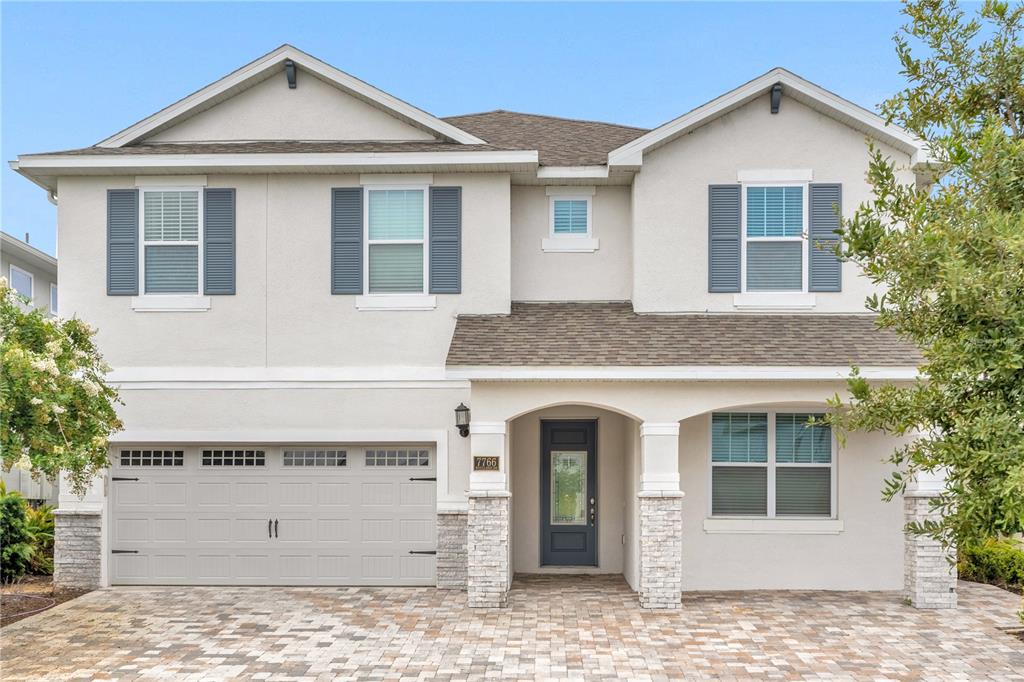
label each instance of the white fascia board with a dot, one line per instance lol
(683, 373)
(630, 155)
(27, 252)
(253, 71)
(268, 436)
(57, 163)
(572, 172)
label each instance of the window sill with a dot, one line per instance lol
(170, 304)
(396, 302)
(774, 301)
(762, 526)
(570, 245)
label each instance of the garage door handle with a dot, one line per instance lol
(423, 479)
(275, 528)
(270, 528)
(122, 478)
(428, 551)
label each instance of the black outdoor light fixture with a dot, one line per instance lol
(462, 419)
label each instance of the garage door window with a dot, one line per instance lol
(315, 458)
(397, 458)
(234, 458)
(152, 458)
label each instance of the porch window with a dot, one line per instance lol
(771, 464)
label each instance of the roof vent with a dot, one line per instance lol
(776, 97)
(289, 70)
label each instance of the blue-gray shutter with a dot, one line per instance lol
(724, 238)
(445, 240)
(824, 269)
(347, 240)
(219, 242)
(122, 242)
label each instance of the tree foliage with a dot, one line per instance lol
(56, 411)
(949, 258)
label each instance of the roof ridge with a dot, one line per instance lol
(548, 116)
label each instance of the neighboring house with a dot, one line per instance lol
(33, 274)
(362, 345)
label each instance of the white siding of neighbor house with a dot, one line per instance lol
(41, 279)
(269, 110)
(670, 197)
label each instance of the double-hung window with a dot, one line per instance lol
(771, 464)
(171, 240)
(774, 223)
(396, 257)
(22, 282)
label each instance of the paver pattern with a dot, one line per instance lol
(566, 627)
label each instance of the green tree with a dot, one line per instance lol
(56, 411)
(950, 261)
(16, 549)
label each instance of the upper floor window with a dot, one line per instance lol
(21, 282)
(773, 238)
(771, 464)
(171, 241)
(570, 216)
(396, 260)
(53, 298)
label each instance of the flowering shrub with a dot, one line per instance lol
(56, 411)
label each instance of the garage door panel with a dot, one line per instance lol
(377, 494)
(296, 567)
(170, 530)
(416, 567)
(251, 493)
(334, 530)
(251, 530)
(173, 494)
(131, 530)
(334, 567)
(380, 568)
(416, 530)
(212, 493)
(132, 494)
(213, 529)
(213, 566)
(377, 531)
(416, 495)
(130, 567)
(293, 530)
(252, 567)
(170, 567)
(334, 494)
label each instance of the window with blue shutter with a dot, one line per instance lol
(396, 230)
(170, 241)
(774, 238)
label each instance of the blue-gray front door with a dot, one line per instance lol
(568, 521)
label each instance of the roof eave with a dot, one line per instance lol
(676, 373)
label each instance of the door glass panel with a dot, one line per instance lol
(569, 488)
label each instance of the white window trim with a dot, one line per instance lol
(31, 282)
(170, 303)
(402, 300)
(767, 296)
(53, 293)
(771, 465)
(198, 243)
(570, 243)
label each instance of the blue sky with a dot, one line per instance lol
(72, 74)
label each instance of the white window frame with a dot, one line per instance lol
(423, 241)
(570, 243)
(31, 282)
(569, 197)
(53, 296)
(772, 465)
(143, 243)
(804, 188)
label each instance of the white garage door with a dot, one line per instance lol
(304, 515)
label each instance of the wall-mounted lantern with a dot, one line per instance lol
(462, 419)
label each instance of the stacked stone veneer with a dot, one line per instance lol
(929, 577)
(487, 575)
(661, 548)
(77, 550)
(452, 544)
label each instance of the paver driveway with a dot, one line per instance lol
(564, 627)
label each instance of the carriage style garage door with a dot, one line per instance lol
(304, 515)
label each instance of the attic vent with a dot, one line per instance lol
(289, 70)
(776, 97)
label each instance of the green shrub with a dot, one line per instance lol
(15, 542)
(40, 524)
(999, 562)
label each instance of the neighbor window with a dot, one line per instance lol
(171, 241)
(396, 259)
(773, 238)
(21, 282)
(771, 464)
(53, 298)
(570, 216)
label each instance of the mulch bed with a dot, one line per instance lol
(31, 595)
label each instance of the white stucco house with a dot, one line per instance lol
(362, 345)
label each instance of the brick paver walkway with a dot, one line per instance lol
(557, 627)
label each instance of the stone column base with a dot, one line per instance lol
(487, 574)
(661, 546)
(929, 575)
(452, 541)
(77, 550)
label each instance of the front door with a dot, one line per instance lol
(568, 524)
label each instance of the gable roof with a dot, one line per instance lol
(803, 91)
(559, 141)
(260, 69)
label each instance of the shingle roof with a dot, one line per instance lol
(280, 147)
(611, 334)
(560, 141)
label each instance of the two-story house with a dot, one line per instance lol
(362, 345)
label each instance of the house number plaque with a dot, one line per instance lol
(485, 463)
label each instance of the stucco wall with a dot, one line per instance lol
(605, 275)
(283, 313)
(613, 462)
(670, 197)
(269, 110)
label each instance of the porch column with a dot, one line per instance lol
(661, 526)
(80, 537)
(488, 575)
(929, 570)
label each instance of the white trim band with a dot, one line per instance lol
(487, 428)
(679, 373)
(660, 429)
(170, 304)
